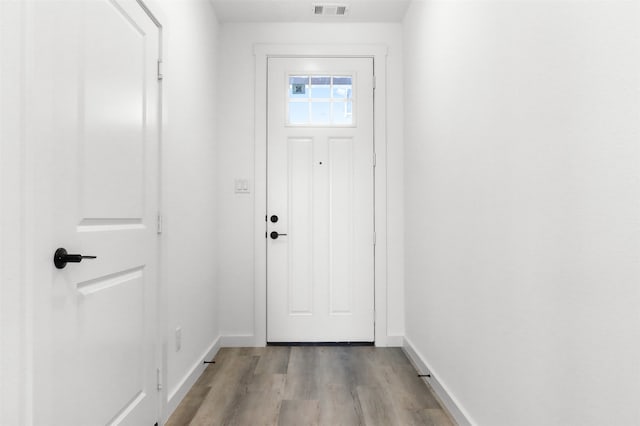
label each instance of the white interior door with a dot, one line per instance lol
(320, 225)
(97, 323)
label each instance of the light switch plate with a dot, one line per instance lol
(241, 186)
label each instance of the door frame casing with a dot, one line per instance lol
(154, 11)
(378, 53)
(15, 310)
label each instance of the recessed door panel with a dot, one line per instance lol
(113, 104)
(110, 330)
(341, 229)
(300, 215)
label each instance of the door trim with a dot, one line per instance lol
(153, 10)
(262, 53)
(16, 285)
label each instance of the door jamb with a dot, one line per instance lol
(262, 53)
(153, 10)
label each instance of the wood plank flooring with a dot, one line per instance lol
(310, 385)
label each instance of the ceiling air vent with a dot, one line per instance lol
(329, 10)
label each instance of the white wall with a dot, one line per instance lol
(236, 155)
(522, 127)
(189, 194)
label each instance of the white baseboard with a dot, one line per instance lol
(238, 341)
(180, 390)
(395, 341)
(450, 403)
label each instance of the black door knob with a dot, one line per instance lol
(61, 257)
(274, 235)
(274, 218)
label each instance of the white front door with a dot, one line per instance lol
(320, 204)
(96, 321)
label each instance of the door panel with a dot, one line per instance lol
(113, 114)
(300, 218)
(320, 185)
(98, 318)
(341, 230)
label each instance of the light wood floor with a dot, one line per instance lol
(319, 385)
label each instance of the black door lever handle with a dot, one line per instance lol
(61, 257)
(274, 235)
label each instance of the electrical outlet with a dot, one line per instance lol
(178, 338)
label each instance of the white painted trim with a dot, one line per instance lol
(238, 341)
(447, 399)
(319, 50)
(379, 54)
(16, 331)
(177, 394)
(395, 341)
(154, 12)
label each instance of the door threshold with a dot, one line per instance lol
(320, 343)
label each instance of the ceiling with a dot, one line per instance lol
(302, 10)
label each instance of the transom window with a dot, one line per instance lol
(320, 100)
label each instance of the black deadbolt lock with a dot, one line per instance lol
(274, 218)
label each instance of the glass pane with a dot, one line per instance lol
(298, 112)
(342, 87)
(320, 87)
(320, 100)
(299, 86)
(320, 112)
(342, 113)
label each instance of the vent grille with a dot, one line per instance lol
(330, 10)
